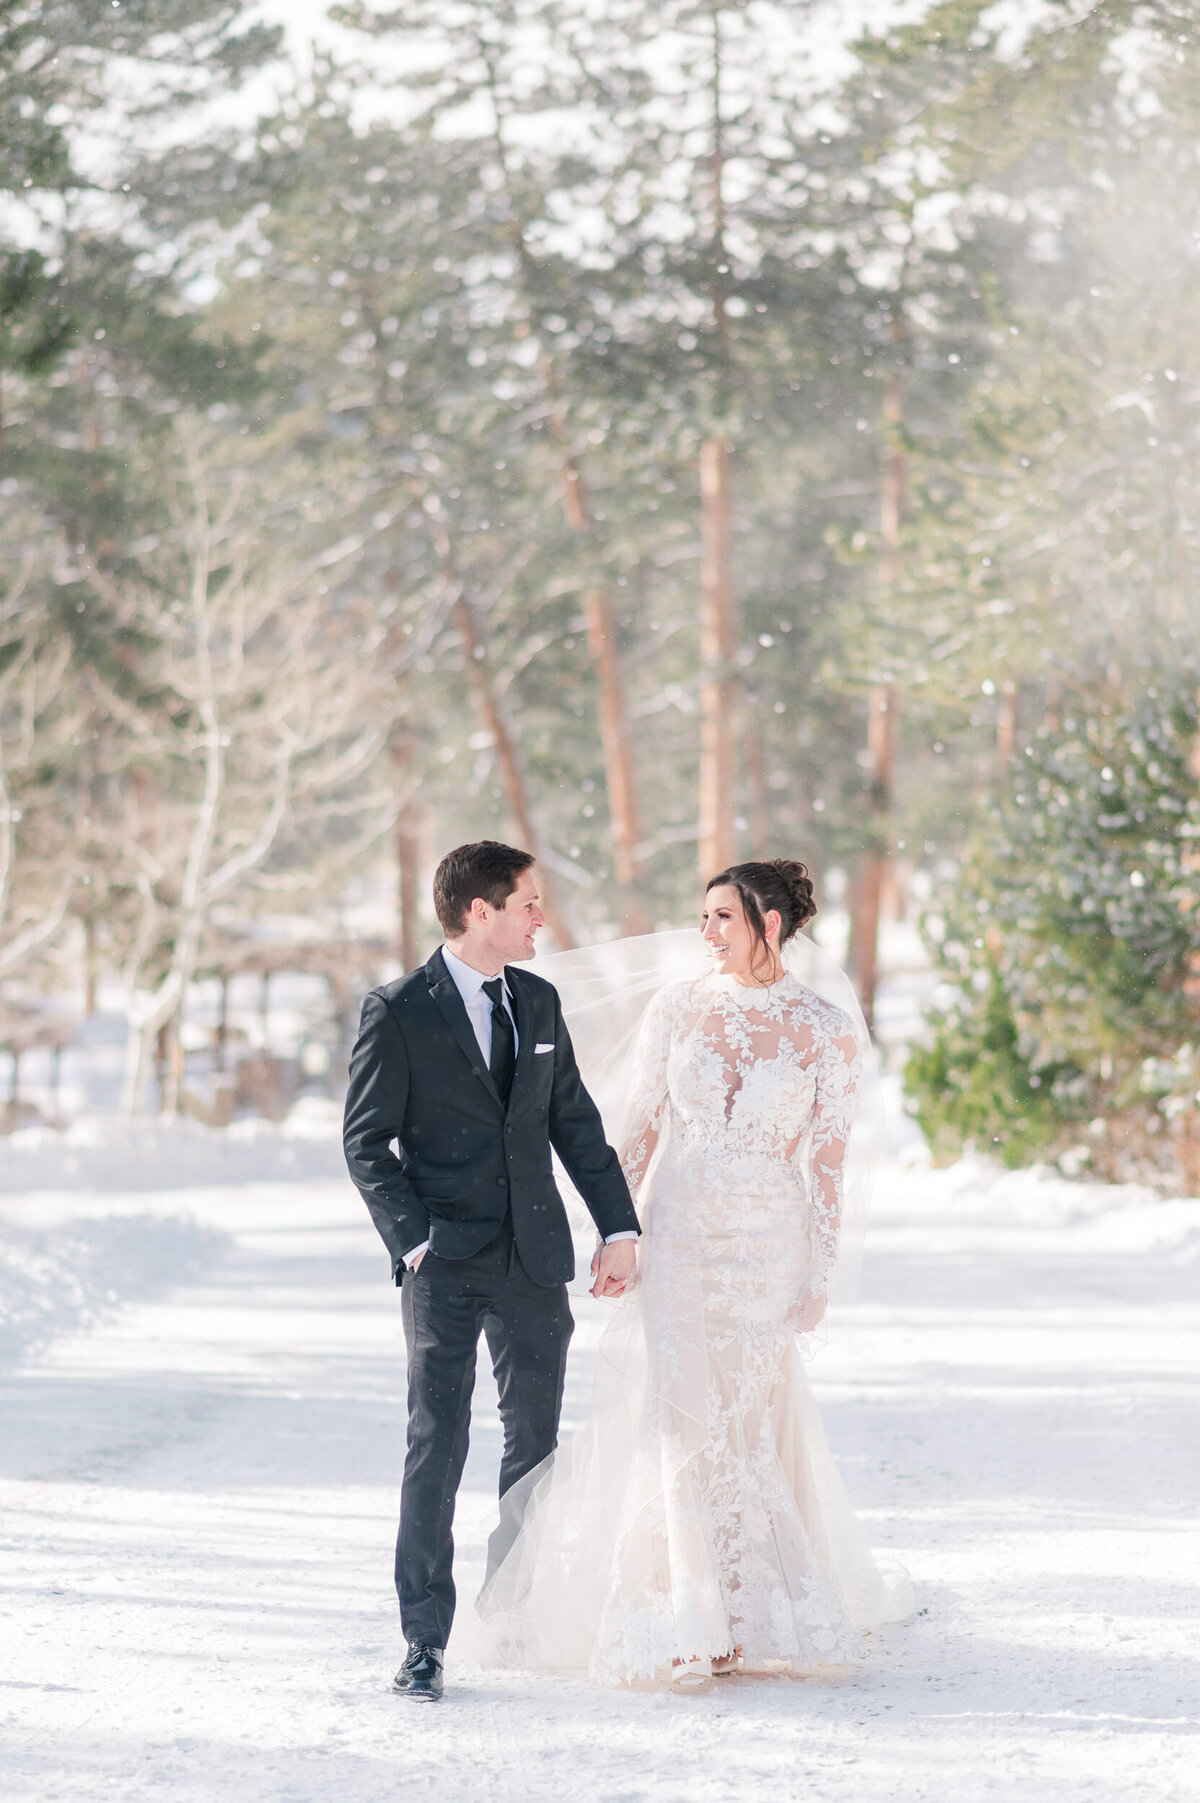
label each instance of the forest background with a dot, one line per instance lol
(659, 435)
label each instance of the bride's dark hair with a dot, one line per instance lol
(779, 883)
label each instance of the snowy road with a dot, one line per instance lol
(199, 1490)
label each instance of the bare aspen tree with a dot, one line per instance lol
(40, 722)
(260, 726)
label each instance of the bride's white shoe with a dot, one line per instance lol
(697, 1674)
(691, 1674)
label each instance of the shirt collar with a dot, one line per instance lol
(468, 980)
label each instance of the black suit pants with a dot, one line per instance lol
(445, 1305)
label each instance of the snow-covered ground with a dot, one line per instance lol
(202, 1381)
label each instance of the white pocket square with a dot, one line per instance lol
(544, 1048)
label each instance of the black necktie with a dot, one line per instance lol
(504, 1041)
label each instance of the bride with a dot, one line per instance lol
(696, 1524)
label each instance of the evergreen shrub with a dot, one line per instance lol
(1069, 951)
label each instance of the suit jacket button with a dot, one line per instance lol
(502, 1183)
(508, 1130)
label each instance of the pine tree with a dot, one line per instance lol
(1071, 943)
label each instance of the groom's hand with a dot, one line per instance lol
(613, 1267)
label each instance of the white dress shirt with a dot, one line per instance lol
(469, 982)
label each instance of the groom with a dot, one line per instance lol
(467, 1066)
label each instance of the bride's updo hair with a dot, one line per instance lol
(780, 883)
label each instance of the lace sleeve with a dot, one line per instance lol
(647, 1092)
(839, 1066)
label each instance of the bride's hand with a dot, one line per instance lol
(807, 1313)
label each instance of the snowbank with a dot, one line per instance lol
(111, 1152)
(75, 1276)
(105, 1214)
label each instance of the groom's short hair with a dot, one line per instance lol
(485, 869)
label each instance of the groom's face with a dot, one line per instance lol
(513, 928)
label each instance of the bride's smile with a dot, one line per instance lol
(738, 946)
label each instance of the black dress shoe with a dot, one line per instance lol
(420, 1677)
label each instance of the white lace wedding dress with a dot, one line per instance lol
(698, 1509)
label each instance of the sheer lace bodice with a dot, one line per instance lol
(698, 1508)
(758, 1087)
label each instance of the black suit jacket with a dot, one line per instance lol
(417, 1076)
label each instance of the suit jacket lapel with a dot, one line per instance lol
(444, 991)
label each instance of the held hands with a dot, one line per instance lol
(807, 1313)
(614, 1268)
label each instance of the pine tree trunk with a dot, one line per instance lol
(90, 967)
(1191, 984)
(881, 714)
(507, 756)
(1006, 726)
(873, 880)
(222, 1046)
(756, 783)
(718, 846)
(718, 642)
(618, 756)
(615, 737)
(407, 840)
(408, 852)
(172, 1092)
